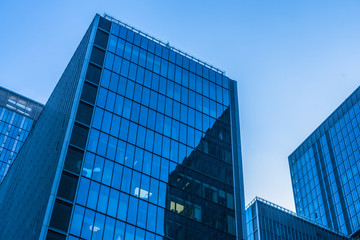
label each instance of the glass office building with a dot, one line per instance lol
(325, 170)
(268, 221)
(142, 142)
(17, 116)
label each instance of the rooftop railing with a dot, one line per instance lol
(293, 213)
(184, 54)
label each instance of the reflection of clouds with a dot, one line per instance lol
(87, 172)
(94, 228)
(142, 193)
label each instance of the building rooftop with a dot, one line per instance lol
(282, 209)
(19, 103)
(184, 54)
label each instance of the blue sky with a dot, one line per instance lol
(295, 62)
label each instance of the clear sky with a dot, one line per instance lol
(295, 62)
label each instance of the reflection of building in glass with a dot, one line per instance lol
(325, 170)
(17, 114)
(267, 221)
(201, 188)
(128, 111)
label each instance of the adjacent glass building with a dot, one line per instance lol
(325, 170)
(267, 221)
(139, 141)
(17, 116)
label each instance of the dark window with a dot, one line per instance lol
(51, 235)
(101, 39)
(84, 113)
(89, 93)
(93, 74)
(104, 24)
(73, 160)
(79, 135)
(61, 215)
(97, 56)
(67, 186)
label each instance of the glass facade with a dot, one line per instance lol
(17, 115)
(325, 170)
(267, 221)
(158, 159)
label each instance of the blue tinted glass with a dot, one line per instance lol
(123, 206)
(142, 58)
(147, 78)
(166, 147)
(162, 86)
(144, 190)
(135, 184)
(160, 221)
(138, 159)
(97, 118)
(115, 125)
(119, 104)
(130, 89)
(101, 99)
(155, 168)
(114, 82)
(98, 168)
(132, 133)
(127, 51)
(93, 195)
(103, 199)
(109, 60)
(88, 222)
(164, 68)
(109, 228)
(155, 83)
(98, 227)
(135, 54)
(129, 232)
(105, 78)
(88, 164)
(77, 220)
(141, 137)
(103, 140)
(132, 212)
(149, 143)
(138, 92)
(83, 190)
(150, 223)
(157, 143)
(107, 174)
(147, 163)
(125, 68)
(117, 64)
(143, 115)
(113, 203)
(132, 71)
(119, 230)
(125, 184)
(140, 234)
(110, 101)
(120, 47)
(157, 65)
(116, 178)
(135, 111)
(140, 75)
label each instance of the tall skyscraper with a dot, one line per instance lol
(268, 221)
(137, 141)
(325, 170)
(17, 115)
